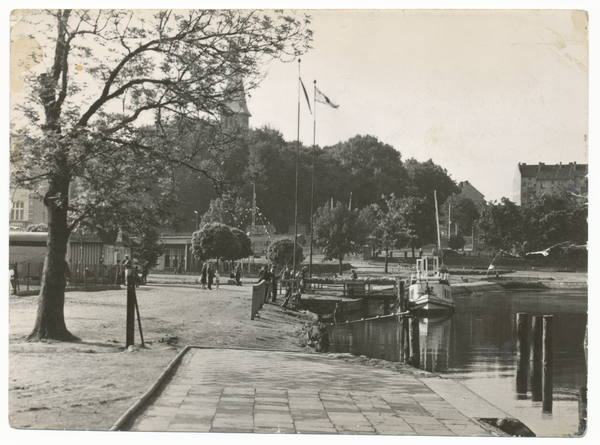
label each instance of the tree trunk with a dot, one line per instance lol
(50, 320)
(387, 254)
(341, 259)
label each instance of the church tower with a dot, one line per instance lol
(237, 104)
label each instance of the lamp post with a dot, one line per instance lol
(196, 212)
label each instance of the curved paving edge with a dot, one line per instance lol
(269, 391)
(133, 408)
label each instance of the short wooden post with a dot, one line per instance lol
(415, 359)
(522, 352)
(139, 319)
(400, 324)
(548, 364)
(130, 322)
(406, 341)
(535, 357)
(402, 298)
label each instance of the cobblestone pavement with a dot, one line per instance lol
(249, 391)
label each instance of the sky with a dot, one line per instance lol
(476, 91)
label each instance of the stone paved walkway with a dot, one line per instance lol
(246, 391)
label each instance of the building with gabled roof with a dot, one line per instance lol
(541, 178)
(468, 190)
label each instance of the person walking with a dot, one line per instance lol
(285, 277)
(127, 271)
(262, 274)
(15, 277)
(238, 274)
(273, 277)
(144, 273)
(211, 275)
(302, 275)
(203, 275)
(136, 276)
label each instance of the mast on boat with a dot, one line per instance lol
(437, 222)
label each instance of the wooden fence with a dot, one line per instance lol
(260, 294)
(29, 276)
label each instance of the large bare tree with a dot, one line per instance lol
(118, 99)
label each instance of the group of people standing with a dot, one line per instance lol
(129, 274)
(269, 274)
(209, 276)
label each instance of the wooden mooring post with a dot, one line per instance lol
(405, 339)
(415, 352)
(535, 357)
(547, 364)
(522, 352)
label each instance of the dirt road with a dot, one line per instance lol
(87, 385)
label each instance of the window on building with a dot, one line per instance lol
(542, 185)
(168, 258)
(17, 213)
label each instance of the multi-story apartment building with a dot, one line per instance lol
(25, 210)
(541, 178)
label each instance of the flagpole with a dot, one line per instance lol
(312, 193)
(297, 168)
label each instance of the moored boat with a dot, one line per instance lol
(429, 291)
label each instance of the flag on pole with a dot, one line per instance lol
(305, 95)
(324, 99)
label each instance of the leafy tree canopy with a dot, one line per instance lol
(339, 231)
(371, 168)
(281, 252)
(231, 211)
(554, 218)
(427, 177)
(456, 242)
(147, 94)
(245, 244)
(501, 224)
(150, 248)
(215, 240)
(462, 212)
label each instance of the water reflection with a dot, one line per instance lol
(478, 346)
(434, 342)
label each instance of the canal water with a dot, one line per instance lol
(477, 345)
